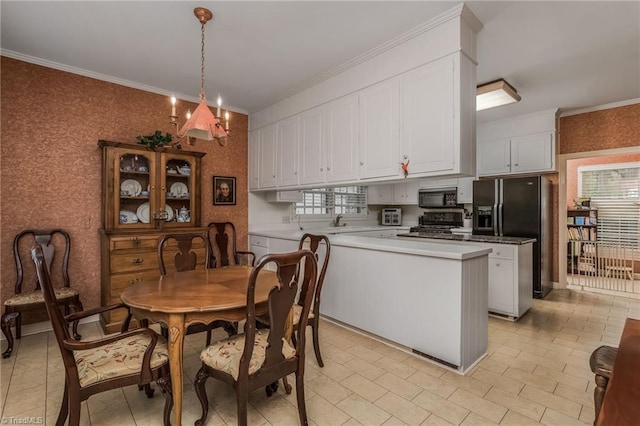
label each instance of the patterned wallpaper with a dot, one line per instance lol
(51, 164)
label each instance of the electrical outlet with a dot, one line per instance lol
(286, 219)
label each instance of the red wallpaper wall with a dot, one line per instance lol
(50, 162)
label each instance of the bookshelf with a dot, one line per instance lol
(582, 240)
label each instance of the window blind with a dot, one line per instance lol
(345, 200)
(614, 191)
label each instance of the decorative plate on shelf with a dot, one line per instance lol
(179, 189)
(127, 216)
(132, 186)
(169, 211)
(143, 212)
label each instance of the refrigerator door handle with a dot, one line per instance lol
(496, 219)
(500, 219)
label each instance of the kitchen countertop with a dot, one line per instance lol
(468, 237)
(392, 244)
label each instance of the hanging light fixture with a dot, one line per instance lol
(494, 94)
(202, 124)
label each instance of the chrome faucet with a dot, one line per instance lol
(336, 221)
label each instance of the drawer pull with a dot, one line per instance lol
(136, 281)
(137, 261)
(135, 242)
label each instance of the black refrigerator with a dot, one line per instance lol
(518, 207)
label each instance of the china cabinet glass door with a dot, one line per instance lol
(133, 191)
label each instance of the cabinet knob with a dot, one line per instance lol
(516, 164)
(362, 163)
(273, 176)
(508, 165)
(153, 187)
(137, 261)
(328, 168)
(321, 169)
(163, 188)
(135, 241)
(295, 173)
(132, 282)
(497, 265)
(497, 253)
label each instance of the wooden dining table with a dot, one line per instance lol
(621, 405)
(183, 298)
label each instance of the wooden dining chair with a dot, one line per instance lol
(181, 251)
(601, 364)
(53, 242)
(132, 357)
(222, 236)
(259, 358)
(321, 248)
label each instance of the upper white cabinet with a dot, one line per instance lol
(341, 139)
(254, 160)
(524, 144)
(465, 190)
(312, 151)
(267, 159)
(379, 130)
(426, 130)
(406, 192)
(287, 152)
(380, 194)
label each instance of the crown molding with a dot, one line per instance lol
(600, 107)
(107, 78)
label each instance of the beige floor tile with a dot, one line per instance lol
(395, 367)
(393, 421)
(365, 354)
(497, 380)
(322, 412)
(363, 411)
(278, 411)
(337, 371)
(581, 397)
(553, 418)
(364, 387)
(329, 389)
(441, 407)
(229, 414)
(483, 407)
(530, 379)
(587, 415)
(402, 409)
(475, 420)
(392, 352)
(513, 402)
(493, 365)
(469, 383)
(336, 354)
(555, 402)
(352, 422)
(513, 362)
(434, 420)
(398, 386)
(425, 366)
(513, 418)
(364, 368)
(433, 384)
(541, 360)
(563, 378)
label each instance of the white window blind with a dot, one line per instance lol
(614, 189)
(344, 200)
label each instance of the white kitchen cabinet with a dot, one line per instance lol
(380, 194)
(259, 246)
(521, 154)
(406, 192)
(312, 151)
(284, 196)
(446, 183)
(267, 159)
(427, 117)
(465, 190)
(341, 139)
(254, 160)
(287, 152)
(379, 130)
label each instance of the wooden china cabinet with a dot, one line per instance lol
(146, 193)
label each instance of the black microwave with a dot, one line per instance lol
(433, 198)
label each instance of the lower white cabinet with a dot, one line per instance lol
(510, 278)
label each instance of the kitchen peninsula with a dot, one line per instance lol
(428, 297)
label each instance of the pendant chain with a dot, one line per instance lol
(202, 95)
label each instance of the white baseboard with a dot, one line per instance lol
(45, 326)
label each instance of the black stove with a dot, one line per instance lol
(438, 222)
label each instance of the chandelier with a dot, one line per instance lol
(202, 124)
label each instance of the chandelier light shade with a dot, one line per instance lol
(494, 94)
(202, 123)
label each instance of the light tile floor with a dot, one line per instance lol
(536, 372)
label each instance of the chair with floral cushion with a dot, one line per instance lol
(131, 357)
(258, 358)
(53, 242)
(222, 236)
(320, 246)
(185, 258)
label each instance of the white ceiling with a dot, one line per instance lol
(557, 54)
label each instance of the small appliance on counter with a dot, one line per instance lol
(391, 217)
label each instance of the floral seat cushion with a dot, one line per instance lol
(30, 297)
(119, 358)
(225, 354)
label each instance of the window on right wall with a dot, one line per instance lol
(614, 191)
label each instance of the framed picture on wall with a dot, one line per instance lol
(224, 190)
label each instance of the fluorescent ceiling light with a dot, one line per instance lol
(494, 94)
